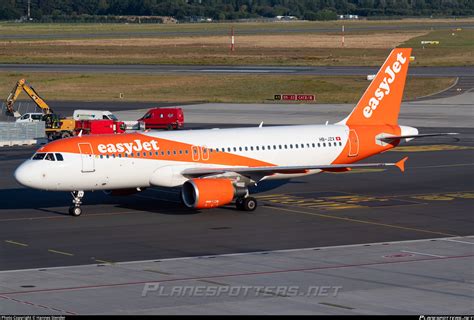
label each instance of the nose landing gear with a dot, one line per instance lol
(75, 210)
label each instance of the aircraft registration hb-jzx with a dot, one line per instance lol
(217, 166)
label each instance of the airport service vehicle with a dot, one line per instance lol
(56, 127)
(93, 115)
(163, 118)
(218, 166)
(30, 117)
(99, 127)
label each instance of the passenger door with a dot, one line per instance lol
(87, 157)
(353, 143)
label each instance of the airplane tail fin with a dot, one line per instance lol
(380, 103)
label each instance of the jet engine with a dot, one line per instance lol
(210, 193)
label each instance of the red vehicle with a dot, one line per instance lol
(99, 126)
(163, 118)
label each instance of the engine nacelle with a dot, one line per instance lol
(209, 193)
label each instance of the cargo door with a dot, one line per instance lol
(87, 157)
(353, 143)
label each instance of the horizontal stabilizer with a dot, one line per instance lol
(413, 136)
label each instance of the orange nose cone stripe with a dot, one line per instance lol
(137, 145)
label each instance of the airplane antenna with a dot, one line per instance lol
(261, 124)
(327, 121)
(80, 133)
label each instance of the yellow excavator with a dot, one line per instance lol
(55, 126)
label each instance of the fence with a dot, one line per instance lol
(12, 133)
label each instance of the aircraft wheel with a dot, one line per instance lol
(249, 204)
(75, 211)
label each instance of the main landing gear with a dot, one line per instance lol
(246, 204)
(75, 210)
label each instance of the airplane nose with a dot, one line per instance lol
(23, 175)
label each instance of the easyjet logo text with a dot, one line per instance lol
(384, 86)
(128, 147)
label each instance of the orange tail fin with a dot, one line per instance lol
(380, 103)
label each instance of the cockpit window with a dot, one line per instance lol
(59, 157)
(38, 156)
(49, 157)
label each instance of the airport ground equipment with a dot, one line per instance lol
(56, 127)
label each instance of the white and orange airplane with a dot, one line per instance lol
(217, 166)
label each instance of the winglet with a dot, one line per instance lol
(401, 164)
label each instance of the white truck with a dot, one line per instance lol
(30, 117)
(93, 115)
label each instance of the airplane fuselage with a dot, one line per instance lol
(106, 162)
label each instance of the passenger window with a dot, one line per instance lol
(49, 157)
(257, 148)
(235, 149)
(319, 145)
(324, 144)
(180, 151)
(120, 155)
(186, 151)
(107, 156)
(240, 148)
(263, 147)
(169, 153)
(251, 148)
(246, 149)
(313, 145)
(329, 144)
(174, 152)
(138, 154)
(101, 156)
(38, 156)
(296, 146)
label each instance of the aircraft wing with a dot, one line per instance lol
(266, 171)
